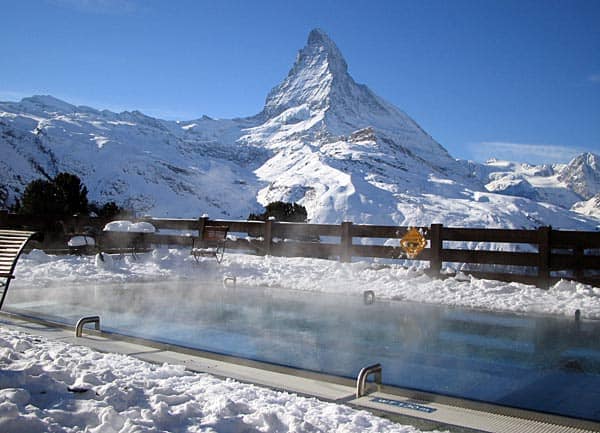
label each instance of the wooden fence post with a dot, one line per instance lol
(268, 235)
(202, 222)
(346, 242)
(579, 270)
(3, 218)
(544, 256)
(79, 222)
(435, 245)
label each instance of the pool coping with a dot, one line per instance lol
(421, 409)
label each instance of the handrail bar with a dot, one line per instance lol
(83, 321)
(361, 380)
(229, 281)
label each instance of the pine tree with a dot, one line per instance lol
(282, 211)
(60, 197)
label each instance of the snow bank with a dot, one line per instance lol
(81, 241)
(128, 226)
(388, 281)
(50, 386)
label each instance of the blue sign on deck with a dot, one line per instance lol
(404, 404)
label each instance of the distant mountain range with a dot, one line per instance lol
(321, 140)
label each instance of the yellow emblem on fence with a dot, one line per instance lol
(412, 243)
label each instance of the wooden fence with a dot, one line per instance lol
(541, 256)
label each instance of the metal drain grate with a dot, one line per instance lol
(462, 417)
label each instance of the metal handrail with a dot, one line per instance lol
(83, 321)
(229, 281)
(361, 380)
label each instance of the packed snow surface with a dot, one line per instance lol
(49, 386)
(128, 226)
(81, 241)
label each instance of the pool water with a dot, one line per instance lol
(539, 363)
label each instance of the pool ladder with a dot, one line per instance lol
(361, 380)
(88, 319)
(229, 281)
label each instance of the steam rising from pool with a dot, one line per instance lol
(510, 359)
(472, 354)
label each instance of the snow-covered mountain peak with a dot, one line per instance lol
(582, 175)
(324, 102)
(47, 104)
(322, 140)
(321, 46)
(319, 80)
(586, 159)
(311, 79)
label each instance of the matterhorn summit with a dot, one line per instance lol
(318, 70)
(320, 89)
(321, 140)
(341, 150)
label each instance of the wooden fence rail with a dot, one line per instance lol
(540, 256)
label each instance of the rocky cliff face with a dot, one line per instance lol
(321, 140)
(582, 175)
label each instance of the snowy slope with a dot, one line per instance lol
(571, 186)
(589, 207)
(346, 154)
(321, 140)
(143, 163)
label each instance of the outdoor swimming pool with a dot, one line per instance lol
(538, 363)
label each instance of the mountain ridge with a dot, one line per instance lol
(321, 140)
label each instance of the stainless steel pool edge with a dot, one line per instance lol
(327, 387)
(461, 419)
(425, 398)
(457, 415)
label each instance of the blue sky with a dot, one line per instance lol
(518, 80)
